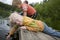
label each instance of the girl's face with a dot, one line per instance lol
(19, 22)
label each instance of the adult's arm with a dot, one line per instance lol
(24, 8)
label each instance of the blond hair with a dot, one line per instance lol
(14, 17)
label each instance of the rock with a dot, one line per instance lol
(28, 35)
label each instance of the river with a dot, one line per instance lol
(4, 28)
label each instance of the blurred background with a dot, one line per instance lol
(48, 10)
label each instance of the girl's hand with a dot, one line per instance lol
(8, 37)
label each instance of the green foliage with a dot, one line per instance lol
(4, 13)
(49, 12)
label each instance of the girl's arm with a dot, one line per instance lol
(13, 29)
(29, 28)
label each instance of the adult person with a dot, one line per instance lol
(30, 24)
(27, 9)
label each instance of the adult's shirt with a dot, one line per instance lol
(29, 9)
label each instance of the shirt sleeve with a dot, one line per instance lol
(13, 29)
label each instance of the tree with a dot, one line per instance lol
(15, 2)
(49, 12)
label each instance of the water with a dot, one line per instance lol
(4, 29)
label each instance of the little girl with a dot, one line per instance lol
(30, 24)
